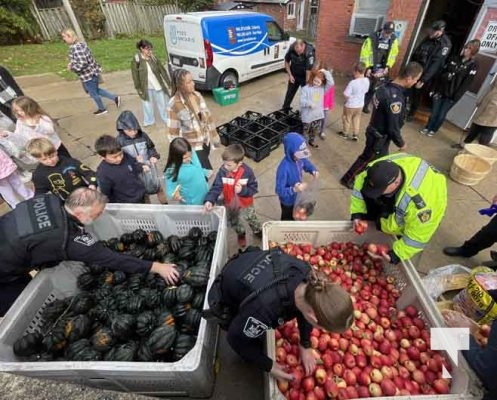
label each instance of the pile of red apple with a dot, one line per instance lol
(386, 352)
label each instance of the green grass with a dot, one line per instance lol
(111, 54)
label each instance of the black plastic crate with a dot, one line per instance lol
(278, 115)
(253, 127)
(273, 137)
(239, 121)
(279, 127)
(265, 120)
(294, 124)
(240, 136)
(257, 148)
(251, 115)
(225, 131)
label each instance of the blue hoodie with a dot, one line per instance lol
(289, 171)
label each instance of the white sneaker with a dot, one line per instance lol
(322, 135)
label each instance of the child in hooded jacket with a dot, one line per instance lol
(137, 144)
(289, 173)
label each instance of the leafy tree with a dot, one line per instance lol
(90, 17)
(17, 23)
(186, 5)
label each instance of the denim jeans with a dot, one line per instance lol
(95, 92)
(440, 108)
(160, 99)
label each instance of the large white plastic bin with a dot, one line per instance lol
(465, 385)
(192, 376)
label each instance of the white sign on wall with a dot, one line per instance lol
(400, 29)
(489, 38)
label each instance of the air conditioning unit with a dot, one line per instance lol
(364, 24)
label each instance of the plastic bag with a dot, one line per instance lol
(305, 202)
(151, 180)
(476, 301)
(6, 124)
(434, 281)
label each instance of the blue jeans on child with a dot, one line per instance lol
(160, 99)
(96, 93)
(440, 107)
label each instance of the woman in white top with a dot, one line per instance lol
(152, 82)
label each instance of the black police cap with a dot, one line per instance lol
(438, 25)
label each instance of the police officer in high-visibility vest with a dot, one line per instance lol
(41, 232)
(386, 121)
(378, 53)
(406, 197)
(261, 290)
(431, 53)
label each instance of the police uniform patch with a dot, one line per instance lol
(85, 239)
(254, 328)
(424, 216)
(445, 51)
(396, 107)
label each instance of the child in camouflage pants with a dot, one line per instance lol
(237, 182)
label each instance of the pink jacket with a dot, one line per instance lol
(329, 99)
(7, 166)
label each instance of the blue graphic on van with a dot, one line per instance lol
(236, 36)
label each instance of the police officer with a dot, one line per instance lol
(378, 53)
(40, 232)
(454, 80)
(406, 197)
(386, 121)
(260, 290)
(431, 54)
(299, 60)
(9, 90)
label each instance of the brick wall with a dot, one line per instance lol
(341, 53)
(275, 10)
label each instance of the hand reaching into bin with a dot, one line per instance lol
(167, 271)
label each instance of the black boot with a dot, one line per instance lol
(455, 252)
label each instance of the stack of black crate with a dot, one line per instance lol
(260, 134)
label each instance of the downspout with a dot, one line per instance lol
(414, 38)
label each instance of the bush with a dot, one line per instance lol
(17, 24)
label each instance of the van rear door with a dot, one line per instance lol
(185, 45)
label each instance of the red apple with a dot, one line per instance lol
(363, 392)
(320, 375)
(319, 393)
(413, 353)
(338, 369)
(308, 384)
(376, 375)
(418, 376)
(388, 387)
(292, 360)
(349, 377)
(411, 311)
(363, 378)
(441, 386)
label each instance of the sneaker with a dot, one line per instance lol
(355, 138)
(100, 112)
(322, 135)
(430, 134)
(117, 100)
(242, 240)
(342, 135)
(313, 144)
(424, 131)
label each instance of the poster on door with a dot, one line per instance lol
(489, 38)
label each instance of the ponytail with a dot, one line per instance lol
(332, 305)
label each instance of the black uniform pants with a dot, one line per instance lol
(483, 133)
(482, 239)
(291, 90)
(10, 291)
(7, 110)
(375, 148)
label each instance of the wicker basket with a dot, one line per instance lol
(468, 169)
(486, 153)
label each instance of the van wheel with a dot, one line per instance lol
(228, 76)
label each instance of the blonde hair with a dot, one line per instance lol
(40, 147)
(30, 107)
(473, 46)
(70, 32)
(332, 305)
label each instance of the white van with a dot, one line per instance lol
(221, 46)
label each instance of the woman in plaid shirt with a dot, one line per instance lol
(82, 62)
(189, 117)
